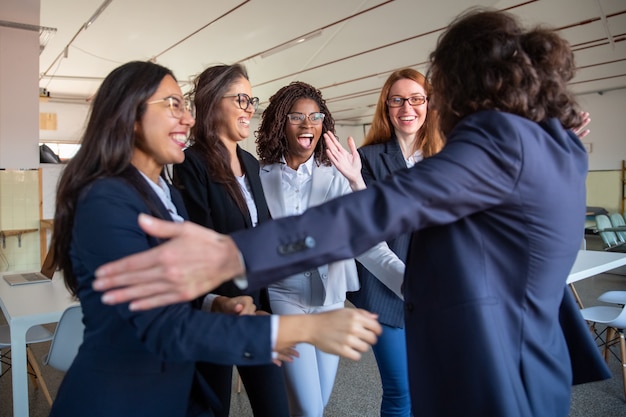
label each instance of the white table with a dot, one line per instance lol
(589, 263)
(25, 306)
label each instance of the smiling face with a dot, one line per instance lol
(159, 136)
(302, 138)
(407, 120)
(235, 125)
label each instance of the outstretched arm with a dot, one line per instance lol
(348, 163)
(194, 261)
(345, 332)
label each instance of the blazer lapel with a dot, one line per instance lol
(271, 181)
(392, 156)
(252, 174)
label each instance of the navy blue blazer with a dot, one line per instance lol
(379, 161)
(498, 216)
(141, 363)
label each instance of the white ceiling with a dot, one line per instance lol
(361, 43)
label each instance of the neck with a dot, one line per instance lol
(294, 162)
(146, 165)
(407, 144)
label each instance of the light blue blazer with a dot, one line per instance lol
(341, 276)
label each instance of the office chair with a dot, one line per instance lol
(35, 334)
(611, 241)
(614, 318)
(67, 338)
(617, 220)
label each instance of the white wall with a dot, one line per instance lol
(608, 128)
(19, 73)
(71, 119)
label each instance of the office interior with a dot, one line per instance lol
(353, 47)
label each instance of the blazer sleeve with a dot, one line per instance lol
(471, 174)
(105, 229)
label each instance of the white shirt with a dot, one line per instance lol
(297, 186)
(414, 159)
(163, 191)
(247, 194)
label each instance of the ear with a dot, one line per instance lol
(136, 127)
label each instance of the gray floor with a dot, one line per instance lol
(357, 389)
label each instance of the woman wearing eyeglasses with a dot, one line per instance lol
(403, 132)
(220, 185)
(296, 174)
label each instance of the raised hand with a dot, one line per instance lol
(348, 163)
(580, 131)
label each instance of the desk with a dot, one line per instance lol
(589, 263)
(25, 306)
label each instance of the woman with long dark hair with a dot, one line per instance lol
(143, 363)
(220, 185)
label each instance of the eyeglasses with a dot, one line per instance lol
(298, 118)
(399, 101)
(245, 100)
(178, 106)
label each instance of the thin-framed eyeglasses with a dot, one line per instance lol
(245, 101)
(413, 101)
(178, 106)
(297, 118)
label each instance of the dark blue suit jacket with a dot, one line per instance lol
(379, 162)
(498, 217)
(141, 363)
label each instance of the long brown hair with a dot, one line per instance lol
(271, 143)
(106, 148)
(429, 139)
(209, 88)
(485, 60)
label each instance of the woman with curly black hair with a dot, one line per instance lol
(296, 173)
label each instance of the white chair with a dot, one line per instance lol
(68, 337)
(614, 318)
(35, 334)
(613, 297)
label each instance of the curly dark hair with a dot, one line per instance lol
(271, 143)
(486, 60)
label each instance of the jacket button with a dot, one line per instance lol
(309, 242)
(247, 355)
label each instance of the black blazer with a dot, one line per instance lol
(379, 161)
(209, 204)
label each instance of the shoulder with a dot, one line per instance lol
(192, 156)
(248, 158)
(493, 125)
(370, 151)
(265, 168)
(108, 195)
(108, 186)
